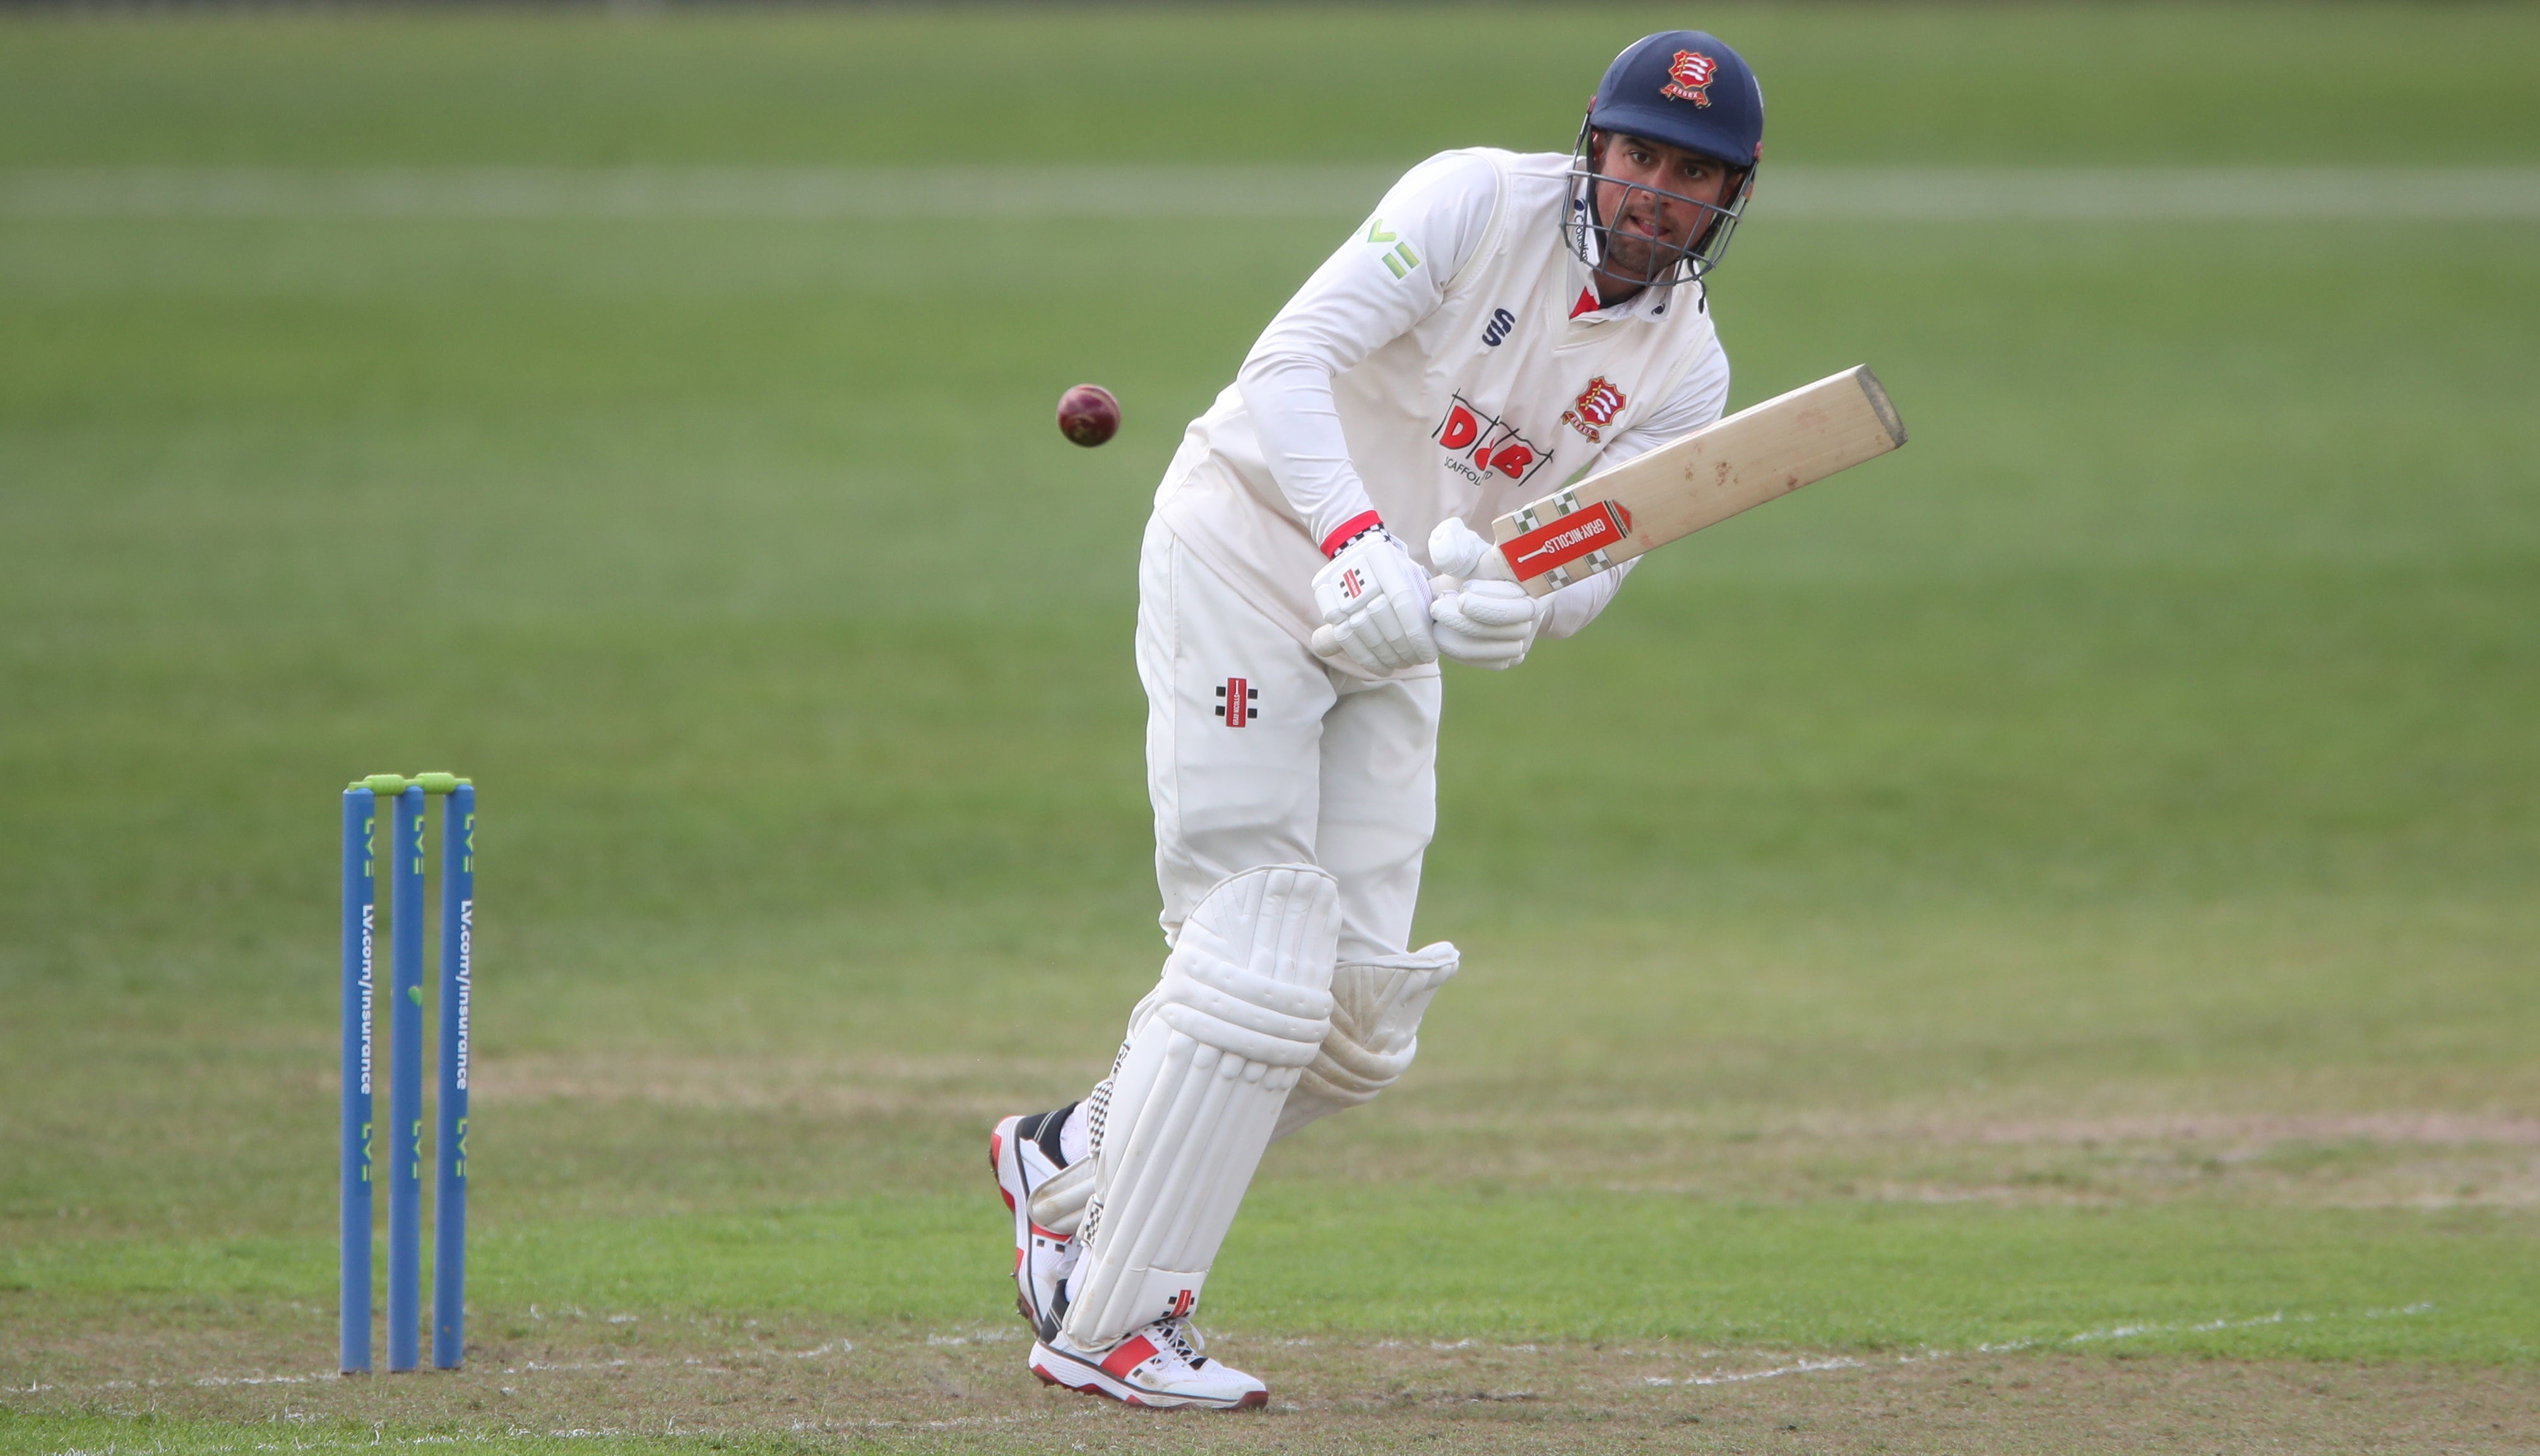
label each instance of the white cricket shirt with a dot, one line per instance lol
(1449, 359)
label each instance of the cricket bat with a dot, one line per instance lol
(1763, 451)
(1759, 453)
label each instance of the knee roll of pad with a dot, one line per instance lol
(1377, 1007)
(1245, 1005)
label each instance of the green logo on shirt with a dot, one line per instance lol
(1399, 259)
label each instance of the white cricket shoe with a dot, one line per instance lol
(1042, 1258)
(1159, 1366)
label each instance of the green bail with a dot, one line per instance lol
(392, 785)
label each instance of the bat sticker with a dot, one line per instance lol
(1556, 543)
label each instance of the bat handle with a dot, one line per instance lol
(1463, 555)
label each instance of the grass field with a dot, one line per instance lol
(2035, 949)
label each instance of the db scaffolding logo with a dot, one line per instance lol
(1594, 408)
(1479, 445)
(1689, 76)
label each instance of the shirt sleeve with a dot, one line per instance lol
(1699, 399)
(1390, 274)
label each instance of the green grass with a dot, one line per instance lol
(1877, 82)
(2074, 875)
(1315, 1258)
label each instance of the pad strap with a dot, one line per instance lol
(1058, 1204)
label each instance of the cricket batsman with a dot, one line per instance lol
(1503, 323)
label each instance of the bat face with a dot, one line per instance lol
(1753, 456)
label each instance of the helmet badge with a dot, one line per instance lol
(1689, 76)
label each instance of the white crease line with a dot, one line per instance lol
(885, 195)
(1806, 1366)
(1081, 1412)
(992, 1334)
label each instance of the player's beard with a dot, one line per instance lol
(1633, 255)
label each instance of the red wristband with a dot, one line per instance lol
(1350, 529)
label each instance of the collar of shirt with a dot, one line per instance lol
(1649, 303)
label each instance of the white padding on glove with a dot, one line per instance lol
(1244, 1004)
(1377, 1007)
(1465, 553)
(1375, 600)
(1481, 617)
(1485, 624)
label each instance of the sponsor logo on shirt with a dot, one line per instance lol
(1480, 445)
(1497, 331)
(1594, 408)
(1398, 257)
(1689, 76)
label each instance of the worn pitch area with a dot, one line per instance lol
(748, 1391)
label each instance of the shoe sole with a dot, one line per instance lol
(1054, 1368)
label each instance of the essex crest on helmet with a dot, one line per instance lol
(1688, 73)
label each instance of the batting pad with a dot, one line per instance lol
(1377, 1007)
(1244, 1004)
(1058, 1204)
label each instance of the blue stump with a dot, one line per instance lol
(406, 1082)
(449, 1145)
(361, 809)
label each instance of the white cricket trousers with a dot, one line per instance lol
(1258, 754)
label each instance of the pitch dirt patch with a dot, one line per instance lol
(967, 1390)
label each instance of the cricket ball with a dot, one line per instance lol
(1088, 414)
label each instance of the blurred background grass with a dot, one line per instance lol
(2151, 740)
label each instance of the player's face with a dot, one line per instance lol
(1646, 232)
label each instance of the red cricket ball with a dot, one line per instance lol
(1088, 414)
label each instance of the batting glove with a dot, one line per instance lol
(1375, 600)
(1485, 624)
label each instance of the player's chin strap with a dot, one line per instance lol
(1377, 1007)
(1245, 1005)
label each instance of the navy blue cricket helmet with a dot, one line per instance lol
(1686, 89)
